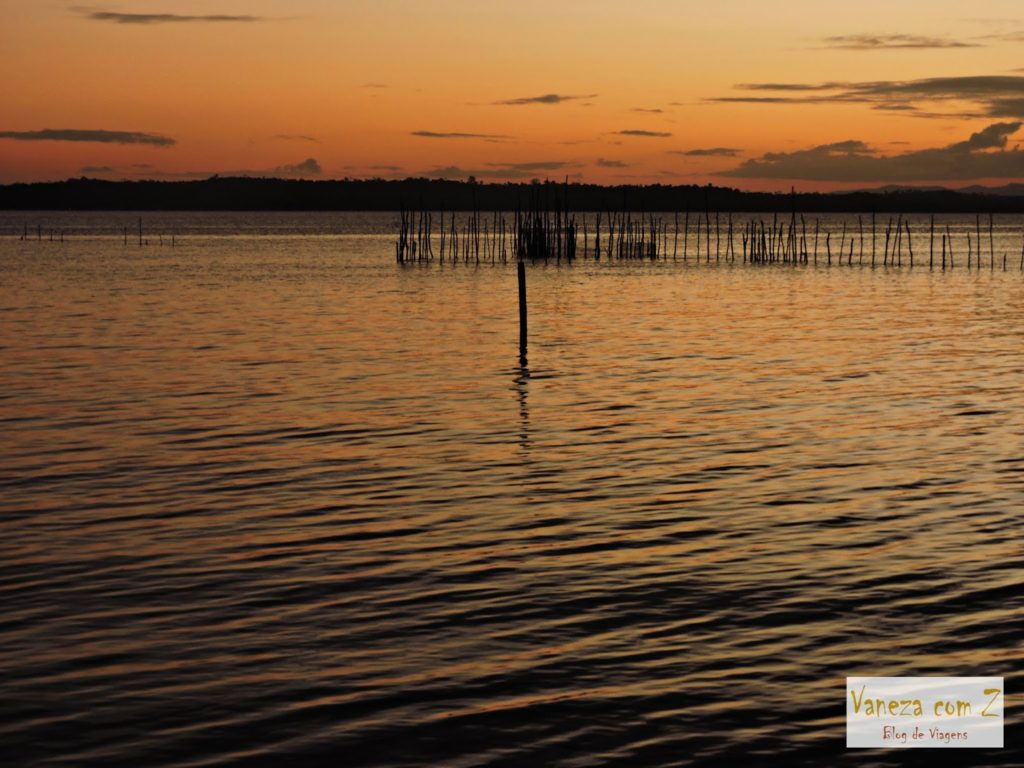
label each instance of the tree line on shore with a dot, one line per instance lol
(243, 193)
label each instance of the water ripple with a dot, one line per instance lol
(271, 501)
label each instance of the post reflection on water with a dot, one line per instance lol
(522, 382)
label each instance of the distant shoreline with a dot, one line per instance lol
(252, 194)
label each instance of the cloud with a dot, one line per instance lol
(888, 42)
(456, 135)
(982, 156)
(296, 137)
(1009, 37)
(602, 163)
(500, 170)
(540, 165)
(709, 152)
(992, 21)
(102, 137)
(650, 111)
(163, 18)
(448, 172)
(190, 175)
(646, 134)
(376, 171)
(1006, 107)
(831, 86)
(547, 98)
(986, 95)
(308, 167)
(97, 169)
(993, 137)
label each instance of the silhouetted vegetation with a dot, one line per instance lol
(249, 194)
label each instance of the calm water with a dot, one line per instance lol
(269, 499)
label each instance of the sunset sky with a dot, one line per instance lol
(819, 94)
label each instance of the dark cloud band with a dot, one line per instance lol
(458, 135)
(644, 134)
(884, 42)
(167, 18)
(547, 98)
(297, 137)
(102, 137)
(993, 95)
(982, 156)
(501, 170)
(708, 152)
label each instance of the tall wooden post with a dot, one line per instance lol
(522, 308)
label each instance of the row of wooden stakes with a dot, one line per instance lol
(560, 236)
(58, 235)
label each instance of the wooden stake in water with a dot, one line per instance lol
(991, 245)
(872, 238)
(931, 242)
(718, 239)
(860, 229)
(816, 243)
(977, 231)
(522, 308)
(898, 241)
(707, 236)
(686, 231)
(675, 239)
(885, 254)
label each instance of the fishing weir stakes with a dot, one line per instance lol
(58, 235)
(544, 233)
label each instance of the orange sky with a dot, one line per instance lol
(349, 85)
